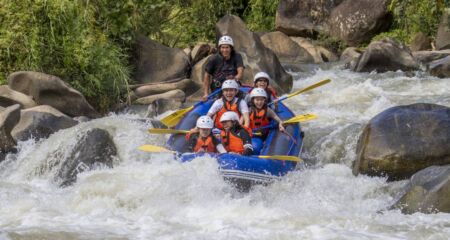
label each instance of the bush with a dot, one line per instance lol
(413, 16)
(60, 38)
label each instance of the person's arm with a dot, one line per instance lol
(247, 140)
(240, 67)
(206, 89)
(240, 74)
(272, 114)
(243, 108)
(191, 141)
(217, 105)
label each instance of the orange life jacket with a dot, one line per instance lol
(231, 142)
(258, 118)
(206, 144)
(227, 106)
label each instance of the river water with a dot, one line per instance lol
(154, 197)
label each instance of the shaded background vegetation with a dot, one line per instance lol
(88, 43)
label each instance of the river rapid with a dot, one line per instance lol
(149, 196)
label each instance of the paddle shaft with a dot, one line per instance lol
(300, 91)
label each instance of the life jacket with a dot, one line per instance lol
(258, 118)
(232, 142)
(206, 144)
(227, 106)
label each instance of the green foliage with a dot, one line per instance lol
(412, 16)
(260, 14)
(60, 38)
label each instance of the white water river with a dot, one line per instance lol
(154, 197)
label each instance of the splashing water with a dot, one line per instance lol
(151, 196)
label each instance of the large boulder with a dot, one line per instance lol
(158, 88)
(40, 122)
(156, 63)
(358, 23)
(343, 19)
(386, 55)
(286, 50)
(50, 90)
(256, 57)
(9, 117)
(420, 42)
(428, 191)
(443, 34)
(176, 94)
(303, 18)
(425, 57)
(10, 97)
(95, 148)
(402, 140)
(440, 68)
(201, 51)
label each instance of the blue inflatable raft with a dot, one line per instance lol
(245, 171)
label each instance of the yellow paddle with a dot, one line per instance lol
(153, 148)
(301, 91)
(166, 131)
(158, 149)
(172, 119)
(301, 118)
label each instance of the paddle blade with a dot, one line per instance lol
(172, 119)
(309, 88)
(153, 148)
(301, 118)
(282, 158)
(166, 131)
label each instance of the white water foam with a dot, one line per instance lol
(152, 196)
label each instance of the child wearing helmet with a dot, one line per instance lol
(261, 115)
(262, 80)
(203, 140)
(229, 102)
(235, 138)
(227, 64)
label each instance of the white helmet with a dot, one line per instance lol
(261, 75)
(258, 92)
(226, 40)
(229, 116)
(205, 122)
(230, 84)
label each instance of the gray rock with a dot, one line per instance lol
(443, 33)
(10, 97)
(358, 23)
(95, 148)
(428, 191)
(160, 106)
(425, 57)
(286, 49)
(347, 20)
(201, 51)
(304, 18)
(50, 90)
(176, 95)
(40, 122)
(9, 117)
(156, 63)
(386, 55)
(440, 68)
(402, 140)
(421, 42)
(152, 89)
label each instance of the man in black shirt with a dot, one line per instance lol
(227, 64)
